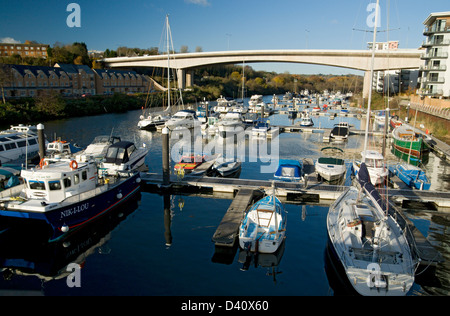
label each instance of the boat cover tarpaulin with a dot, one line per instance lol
(364, 181)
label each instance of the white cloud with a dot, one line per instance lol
(9, 40)
(199, 2)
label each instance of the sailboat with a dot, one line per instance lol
(364, 238)
(154, 119)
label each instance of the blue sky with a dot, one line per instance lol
(218, 25)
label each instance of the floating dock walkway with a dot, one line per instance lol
(227, 231)
(309, 191)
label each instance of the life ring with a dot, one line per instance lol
(73, 164)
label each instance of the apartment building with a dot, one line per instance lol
(29, 49)
(70, 81)
(435, 79)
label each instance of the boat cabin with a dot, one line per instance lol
(59, 179)
(119, 152)
(373, 159)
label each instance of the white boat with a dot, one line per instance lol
(183, 119)
(123, 157)
(369, 243)
(153, 120)
(375, 164)
(99, 146)
(63, 195)
(224, 105)
(264, 226)
(61, 148)
(261, 128)
(305, 119)
(255, 99)
(340, 132)
(232, 123)
(210, 128)
(227, 167)
(330, 168)
(18, 143)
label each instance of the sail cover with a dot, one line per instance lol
(364, 181)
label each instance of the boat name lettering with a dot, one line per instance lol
(74, 210)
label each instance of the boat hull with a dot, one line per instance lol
(411, 151)
(65, 217)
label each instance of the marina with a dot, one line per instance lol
(191, 226)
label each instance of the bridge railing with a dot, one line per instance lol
(438, 111)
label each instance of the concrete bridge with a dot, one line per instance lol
(351, 59)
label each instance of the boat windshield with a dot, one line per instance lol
(374, 163)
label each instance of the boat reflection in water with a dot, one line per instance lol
(48, 261)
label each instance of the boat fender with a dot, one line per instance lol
(74, 164)
(119, 196)
(64, 228)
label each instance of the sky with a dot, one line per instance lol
(220, 25)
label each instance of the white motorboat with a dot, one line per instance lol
(18, 143)
(330, 168)
(369, 243)
(375, 164)
(183, 119)
(340, 131)
(99, 146)
(153, 120)
(232, 123)
(123, 157)
(305, 119)
(227, 167)
(224, 105)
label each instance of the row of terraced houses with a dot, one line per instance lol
(71, 81)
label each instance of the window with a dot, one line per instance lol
(67, 182)
(1, 148)
(37, 185)
(32, 141)
(54, 185)
(10, 146)
(76, 178)
(22, 143)
(84, 175)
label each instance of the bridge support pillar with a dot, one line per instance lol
(366, 86)
(185, 78)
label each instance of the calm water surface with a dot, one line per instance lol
(161, 245)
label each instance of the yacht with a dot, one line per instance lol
(18, 143)
(231, 123)
(123, 157)
(183, 119)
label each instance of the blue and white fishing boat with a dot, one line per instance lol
(264, 226)
(289, 170)
(62, 195)
(413, 176)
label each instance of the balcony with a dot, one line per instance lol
(434, 29)
(433, 68)
(435, 42)
(434, 55)
(430, 92)
(433, 80)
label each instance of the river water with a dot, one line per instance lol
(161, 245)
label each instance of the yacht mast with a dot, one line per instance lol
(168, 62)
(371, 77)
